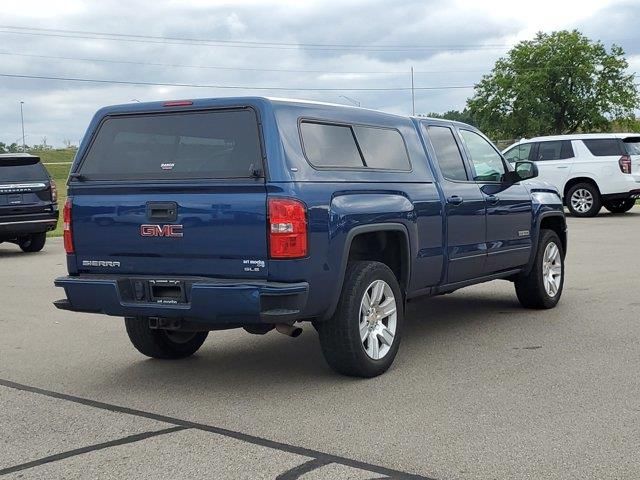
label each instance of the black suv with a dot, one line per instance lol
(28, 201)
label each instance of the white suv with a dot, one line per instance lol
(590, 170)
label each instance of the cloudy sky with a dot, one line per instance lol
(322, 50)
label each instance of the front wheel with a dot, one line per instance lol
(620, 206)
(542, 287)
(164, 344)
(363, 336)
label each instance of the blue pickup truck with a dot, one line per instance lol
(186, 217)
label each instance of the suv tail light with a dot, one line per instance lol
(287, 228)
(67, 231)
(54, 191)
(625, 164)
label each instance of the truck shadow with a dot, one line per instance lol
(238, 364)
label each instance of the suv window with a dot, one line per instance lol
(632, 145)
(604, 147)
(447, 153)
(211, 144)
(486, 161)
(382, 148)
(554, 150)
(22, 170)
(519, 152)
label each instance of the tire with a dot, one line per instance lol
(33, 243)
(340, 337)
(163, 344)
(532, 290)
(620, 206)
(583, 200)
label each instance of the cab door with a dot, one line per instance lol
(554, 160)
(509, 206)
(465, 224)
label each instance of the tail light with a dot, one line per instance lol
(625, 164)
(287, 228)
(54, 191)
(67, 231)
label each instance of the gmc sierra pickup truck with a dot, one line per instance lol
(190, 216)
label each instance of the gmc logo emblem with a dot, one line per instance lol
(174, 231)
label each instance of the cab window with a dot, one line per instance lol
(486, 161)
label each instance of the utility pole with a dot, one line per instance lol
(24, 147)
(413, 95)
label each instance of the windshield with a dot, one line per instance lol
(212, 144)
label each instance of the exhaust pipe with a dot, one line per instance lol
(288, 330)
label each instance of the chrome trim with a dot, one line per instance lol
(13, 186)
(49, 220)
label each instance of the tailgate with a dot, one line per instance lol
(632, 145)
(172, 194)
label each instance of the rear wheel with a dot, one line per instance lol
(164, 344)
(363, 336)
(33, 243)
(583, 200)
(542, 287)
(620, 206)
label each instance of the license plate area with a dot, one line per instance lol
(167, 291)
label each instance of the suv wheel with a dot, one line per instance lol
(164, 344)
(542, 288)
(362, 337)
(583, 200)
(620, 206)
(33, 243)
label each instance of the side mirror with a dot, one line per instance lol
(523, 170)
(526, 170)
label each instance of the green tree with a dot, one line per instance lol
(557, 83)
(456, 115)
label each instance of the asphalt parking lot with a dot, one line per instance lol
(480, 389)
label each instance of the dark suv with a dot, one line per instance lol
(28, 203)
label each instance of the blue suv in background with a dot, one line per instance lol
(186, 217)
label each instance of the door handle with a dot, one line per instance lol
(563, 166)
(162, 211)
(455, 200)
(492, 199)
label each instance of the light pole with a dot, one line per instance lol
(24, 147)
(351, 100)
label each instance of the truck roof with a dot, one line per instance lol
(278, 102)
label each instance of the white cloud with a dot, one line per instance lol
(62, 110)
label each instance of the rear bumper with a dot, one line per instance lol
(622, 196)
(210, 301)
(15, 226)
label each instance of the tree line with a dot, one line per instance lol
(557, 83)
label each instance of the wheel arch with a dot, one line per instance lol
(364, 233)
(576, 180)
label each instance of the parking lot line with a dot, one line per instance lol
(91, 448)
(318, 459)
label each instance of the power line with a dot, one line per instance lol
(51, 32)
(234, 87)
(274, 70)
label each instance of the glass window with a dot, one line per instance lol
(447, 153)
(604, 147)
(486, 161)
(22, 170)
(213, 144)
(632, 145)
(554, 150)
(382, 148)
(330, 145)
(518, 152)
